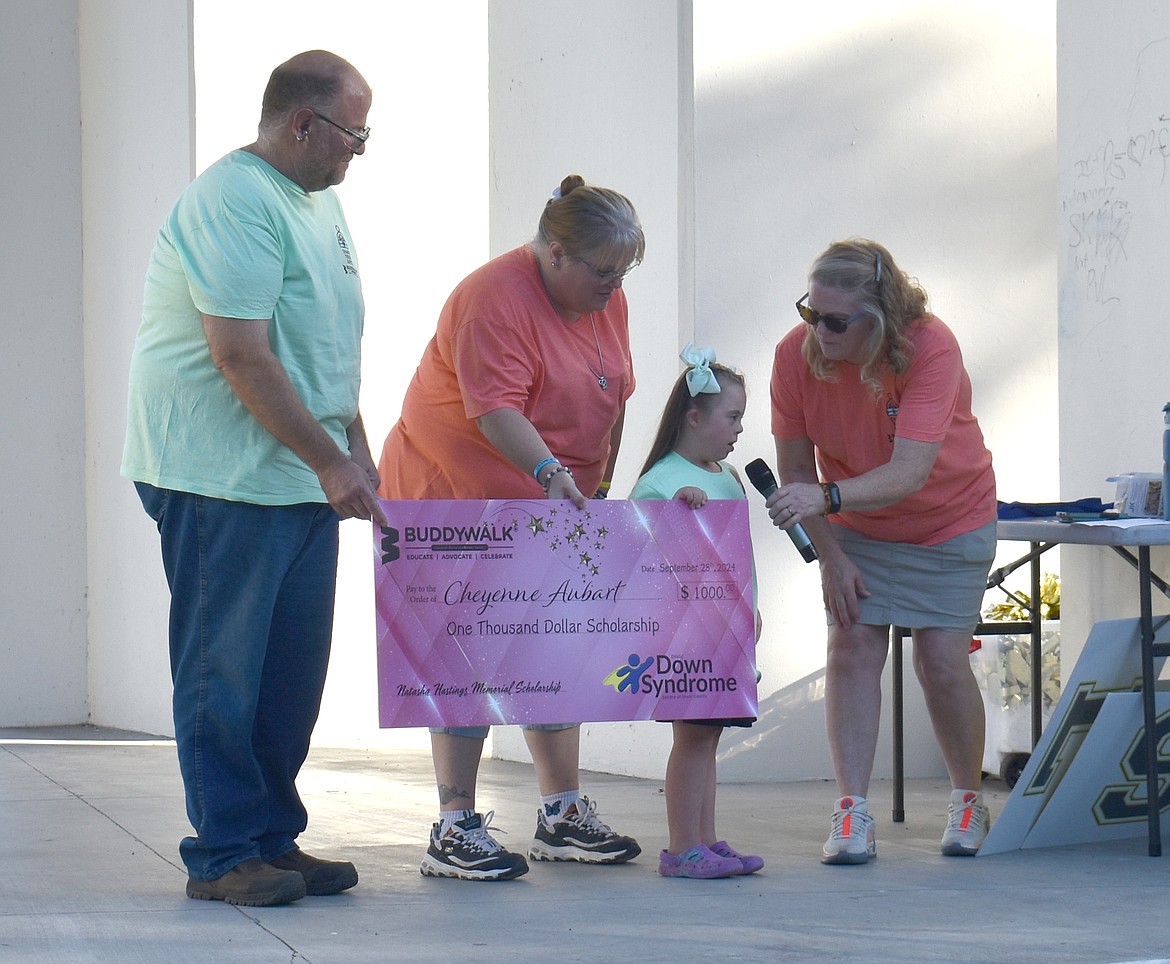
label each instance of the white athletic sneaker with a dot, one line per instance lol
(852, 840)
(967, 824)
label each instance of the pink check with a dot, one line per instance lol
(521, 611)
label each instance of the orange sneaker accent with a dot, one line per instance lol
(851, 839)
(967, 824)
(965, 820)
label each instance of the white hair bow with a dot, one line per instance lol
(700, 378)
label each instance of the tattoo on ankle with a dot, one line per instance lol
(447, 794)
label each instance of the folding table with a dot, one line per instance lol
(1124, 537)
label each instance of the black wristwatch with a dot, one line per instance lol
(832, 497)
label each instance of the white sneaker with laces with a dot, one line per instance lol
(967, 824)
(852, 840)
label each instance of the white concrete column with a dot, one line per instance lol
(42, 432)
(1114, 229)
(603, 90)
(138, 130)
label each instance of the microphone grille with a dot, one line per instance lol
(759, 474)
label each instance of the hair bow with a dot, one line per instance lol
(700, 378)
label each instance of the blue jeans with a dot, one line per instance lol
(252, 594)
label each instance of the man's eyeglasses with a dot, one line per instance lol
(360, 136)
(610, 275)
(835, 323)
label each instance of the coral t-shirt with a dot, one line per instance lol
(501, 344)
(853, 431)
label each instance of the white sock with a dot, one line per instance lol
(556, 805)
(448, 818)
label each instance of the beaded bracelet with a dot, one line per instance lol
(832, 497)
(541, 466)
(548, 479)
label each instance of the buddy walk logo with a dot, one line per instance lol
(576, 538)
(459, 542)
(663, 675)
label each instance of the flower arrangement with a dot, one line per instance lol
(1017, 608)
(1003, 668)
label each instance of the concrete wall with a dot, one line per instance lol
(42, 378)
(85, 633)
(1114, 233)
(928, 125)
(138, 137)
(572, 93)
(747, 142)
(417, 205)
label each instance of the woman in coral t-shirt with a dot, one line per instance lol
(521, 394)
(871, 410)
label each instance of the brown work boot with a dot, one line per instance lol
(252, 883)
(321, 876)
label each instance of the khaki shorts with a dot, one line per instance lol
(922, 587)
(481, 732)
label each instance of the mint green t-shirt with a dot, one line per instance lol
(243, 241)
(672, 472)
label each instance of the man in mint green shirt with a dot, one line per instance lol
(247, 447)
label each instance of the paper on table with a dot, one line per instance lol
(1119, 523)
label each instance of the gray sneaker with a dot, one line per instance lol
(967, 824)
(852, 839)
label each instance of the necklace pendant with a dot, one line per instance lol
(600, 376)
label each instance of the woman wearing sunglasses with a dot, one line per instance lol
(885, 466)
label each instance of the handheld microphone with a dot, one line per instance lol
(762, 478)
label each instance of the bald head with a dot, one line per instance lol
(313, 79)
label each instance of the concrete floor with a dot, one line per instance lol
(89, 871)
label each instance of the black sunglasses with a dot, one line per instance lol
(836, 324)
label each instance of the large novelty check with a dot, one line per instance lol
(525, 611)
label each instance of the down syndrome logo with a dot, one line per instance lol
(663, 675)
